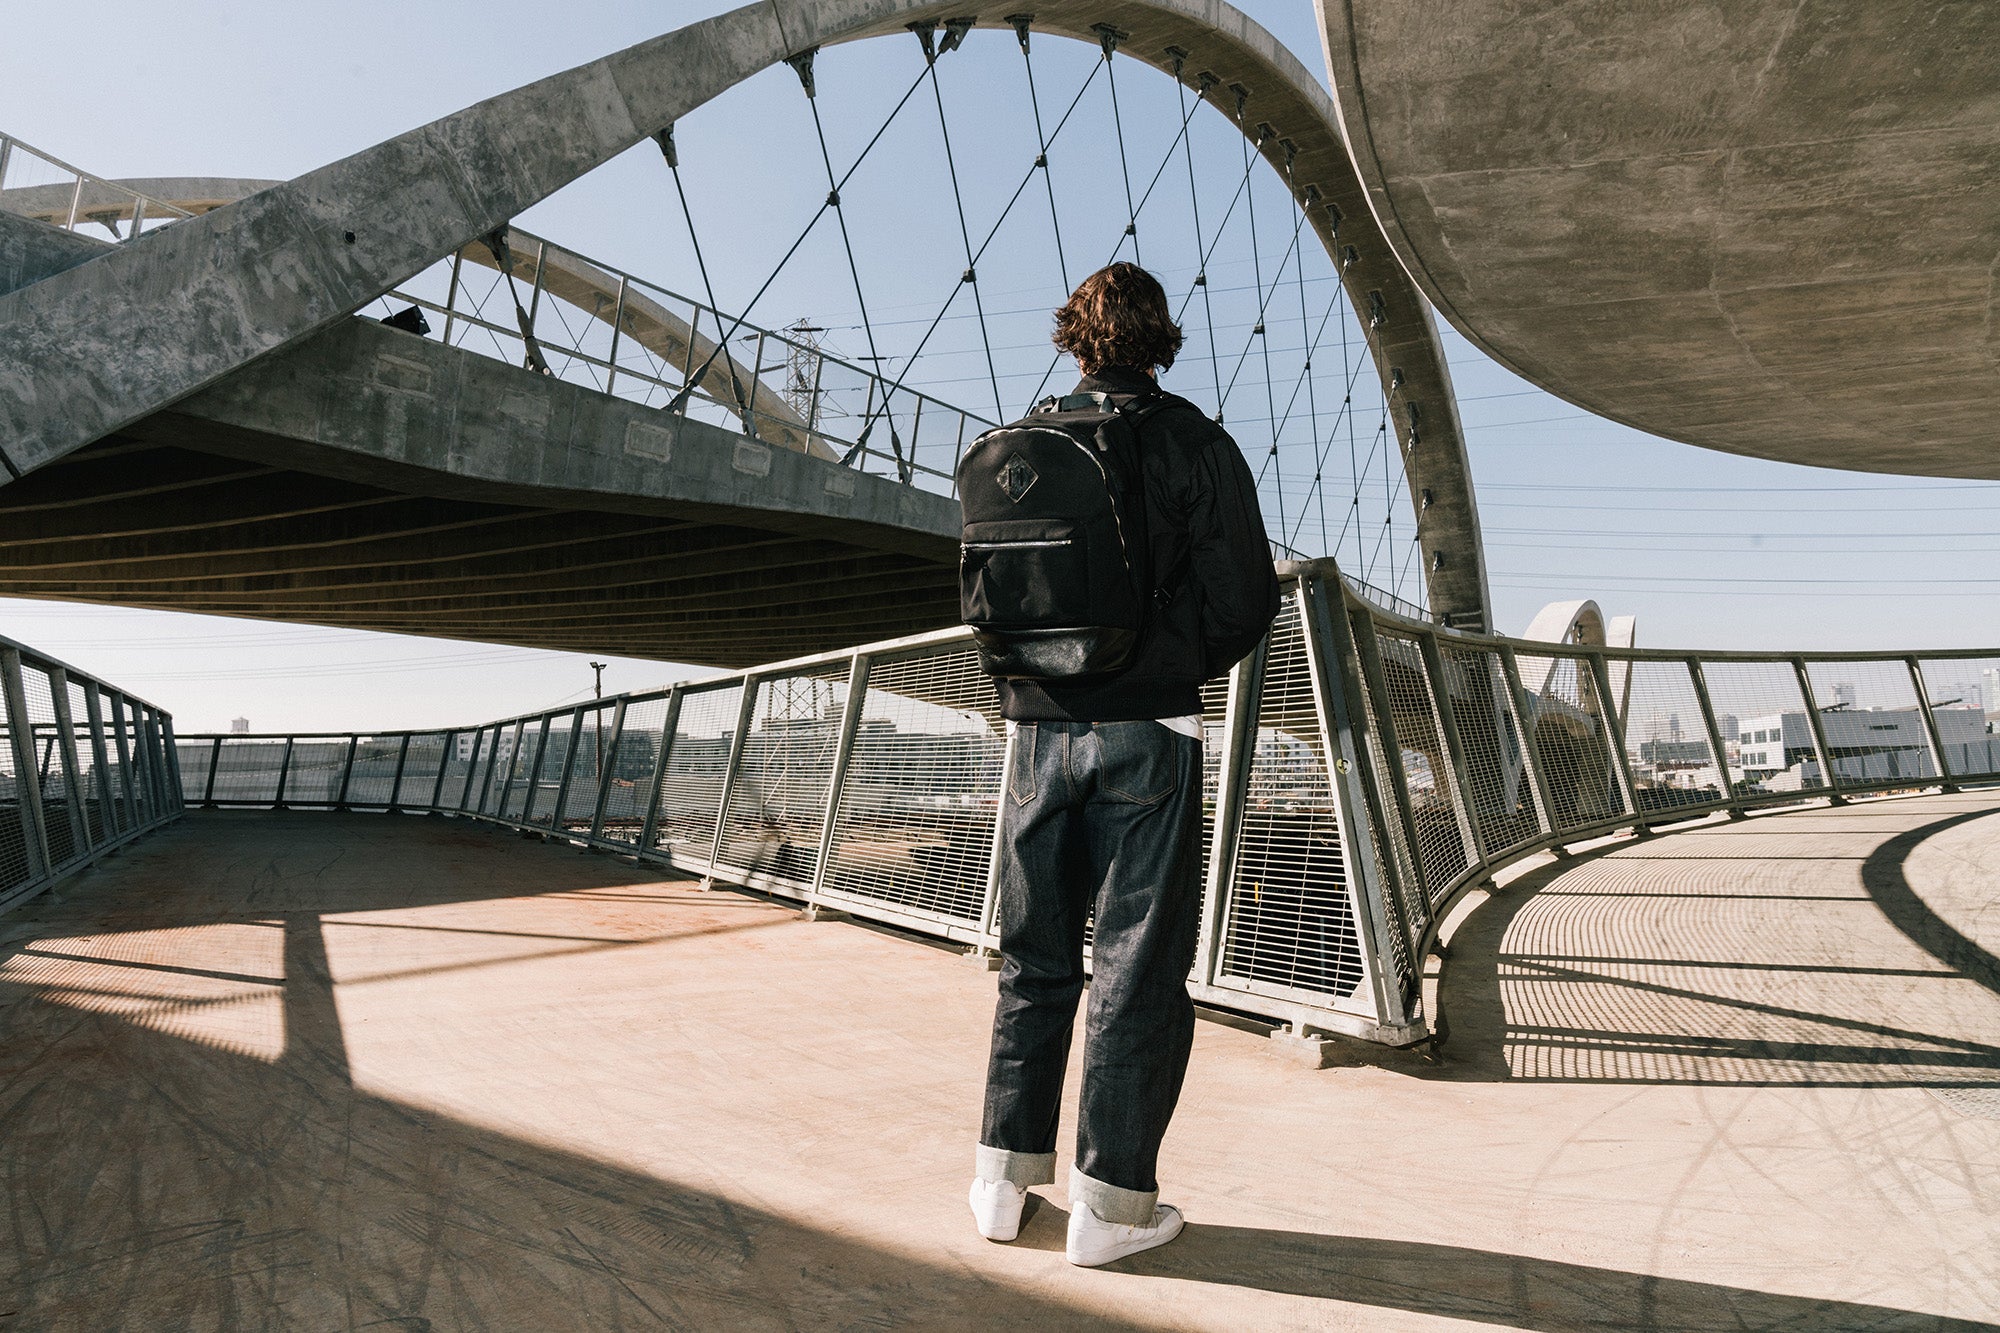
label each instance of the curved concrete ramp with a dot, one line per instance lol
(1856, 946)
(1763, 227)
(325, 1071)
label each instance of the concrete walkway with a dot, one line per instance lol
(315, 1071)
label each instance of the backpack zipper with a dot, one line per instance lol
(996, 546)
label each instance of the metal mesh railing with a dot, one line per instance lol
(1361, 771)
(48, 189)
(914, 828)
(595, 325)
(82, 769)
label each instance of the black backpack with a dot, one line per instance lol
(1055, 572)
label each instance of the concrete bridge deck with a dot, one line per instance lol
(325, 1071)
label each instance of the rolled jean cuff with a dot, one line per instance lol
(1132, 1208)
(1022, 1168)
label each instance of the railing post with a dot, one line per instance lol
(214, 762)
(1375, 680)
(472, 768)
(1714, 729)
(569, 767)
(843, 751)
(107, 811)
(1232, 780)
(347, 771)
(142, 799)
(1461, 777)
(1817, 726)
(1614, 733)
(745, 713)
(156, 733)
(606, 761)
(444, 763)
(1525, 719)
(649, 827)
(1337, 674)
(451, 295)
(27, 783)
(284, 772)
(73, 777)
(126, 799)
(989, 907)
(1931, 732)
(535, 770)
(170, 748)
(513, 763)
(394, 805)
(617, 330)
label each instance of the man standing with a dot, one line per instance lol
(1102, 808)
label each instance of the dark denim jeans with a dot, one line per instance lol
(1109, 814)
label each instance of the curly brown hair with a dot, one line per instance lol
(1118, 316)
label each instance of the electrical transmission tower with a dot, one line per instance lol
(803, 357)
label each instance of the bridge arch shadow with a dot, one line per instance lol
(1791, 950)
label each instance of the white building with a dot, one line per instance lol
(1867, 745)
(465, 739)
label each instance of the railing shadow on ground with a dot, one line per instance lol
(310, 1202)
(1505, 995)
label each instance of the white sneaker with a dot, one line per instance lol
(1094, 1241)
(996, 1207)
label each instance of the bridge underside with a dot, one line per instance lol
(374, 480)
(178, 516)
(1765, 227)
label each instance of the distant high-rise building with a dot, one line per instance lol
(239, 726)
(1843, 695)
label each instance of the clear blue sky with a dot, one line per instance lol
(1707, 549)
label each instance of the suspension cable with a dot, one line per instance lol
(741, 319)
(1318, 492)
(1108, 38)
(957, 287)
(1194, 204)
(955, 30)
(803, 63)
(665, 139)
(1165, 161)
(1257, 333)
(1020, 23)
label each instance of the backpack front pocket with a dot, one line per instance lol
(1025, 574)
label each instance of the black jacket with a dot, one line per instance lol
(1202, 500)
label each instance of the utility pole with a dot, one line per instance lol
(597, 719)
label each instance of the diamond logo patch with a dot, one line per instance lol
(1016, 477)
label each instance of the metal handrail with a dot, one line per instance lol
(1349, 710)
(84, 769)
(725, 383)
(88, 195)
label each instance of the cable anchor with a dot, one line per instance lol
(1020, 23)
(802, 64)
